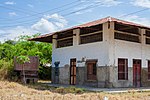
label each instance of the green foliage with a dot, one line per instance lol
(21, 48)
(69, 90)
(44, 73)
(6, 69)
(12, 42)
(22, 59)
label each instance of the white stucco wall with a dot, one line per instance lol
(131, 50)
(96, 50)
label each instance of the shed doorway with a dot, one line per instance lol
(136, 72)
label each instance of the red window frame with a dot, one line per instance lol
(149, 69)
(122, 69)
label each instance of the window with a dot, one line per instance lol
(64, 43)
(148, 69)
(65, 39)
(91, 34)
(91, 38)
(147, 36)
(127, 33)
(147, 40)
(126, 28)
(127, 37)
(122, 69)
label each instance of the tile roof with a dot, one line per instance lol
(96, 22)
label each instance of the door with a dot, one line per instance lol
(72, 71)
(91, 70)
(137, 73)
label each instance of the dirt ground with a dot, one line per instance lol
(15, 91)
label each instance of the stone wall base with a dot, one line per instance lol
(145, 82)
(107, 77)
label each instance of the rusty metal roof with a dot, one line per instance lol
(48, 37)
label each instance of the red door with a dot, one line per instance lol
(137, 73)
(72, 71)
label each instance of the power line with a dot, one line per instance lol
(134, 12)
(41, 13)
(19, 10)
(25, 9)
(67, 9)
(88, 7)
(2, 18)
(37, 17)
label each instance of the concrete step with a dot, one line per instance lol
(91, 83)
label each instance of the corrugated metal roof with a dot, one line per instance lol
(96, 22)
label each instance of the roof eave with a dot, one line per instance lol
(48, 37)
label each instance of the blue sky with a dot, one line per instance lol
(27, 17)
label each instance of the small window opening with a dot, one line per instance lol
(91, 34)
(127, 33)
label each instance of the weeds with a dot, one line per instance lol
(40, 86)
(6, 69)
(69, 90)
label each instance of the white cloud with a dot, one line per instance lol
(29, 5)
(12, 14)
(57, 18)
(9, 3)
(139, 20)
(44, 26)
(47, 24)
(141, 3)
(50, 23)
(15, 32)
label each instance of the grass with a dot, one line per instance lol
(16, 91)
(69, 90)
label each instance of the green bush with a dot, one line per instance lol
(44, 73)
(6, 69)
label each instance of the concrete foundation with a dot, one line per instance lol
(80, 75)
(113, 78)
(107, 77)
(64, 75)
(103, 76)
(144, 78)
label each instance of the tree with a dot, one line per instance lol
(11, 48)
(12, 42)
(22, 60)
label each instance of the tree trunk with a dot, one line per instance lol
(24, 78)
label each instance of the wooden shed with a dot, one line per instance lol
(27, 72)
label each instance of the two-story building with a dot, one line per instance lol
(104, 53)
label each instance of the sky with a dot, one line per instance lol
(28, 17)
